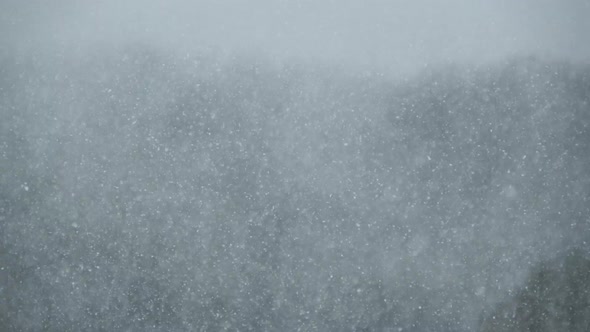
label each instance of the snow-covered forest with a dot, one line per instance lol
(146, 188)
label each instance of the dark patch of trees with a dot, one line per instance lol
(555, 297)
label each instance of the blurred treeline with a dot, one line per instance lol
(146, 191)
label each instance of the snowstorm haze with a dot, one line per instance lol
(392, 35)
(295, 165)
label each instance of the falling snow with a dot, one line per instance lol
(148, 189)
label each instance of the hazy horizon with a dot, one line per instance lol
(397, 36)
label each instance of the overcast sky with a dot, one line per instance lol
(396, 34)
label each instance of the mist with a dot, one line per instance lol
(294, 165)
(398, 36)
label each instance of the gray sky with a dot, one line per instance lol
(395, 34)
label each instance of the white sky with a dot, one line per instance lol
(395, 34)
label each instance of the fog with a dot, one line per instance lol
(398, 36)
(294, 165)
